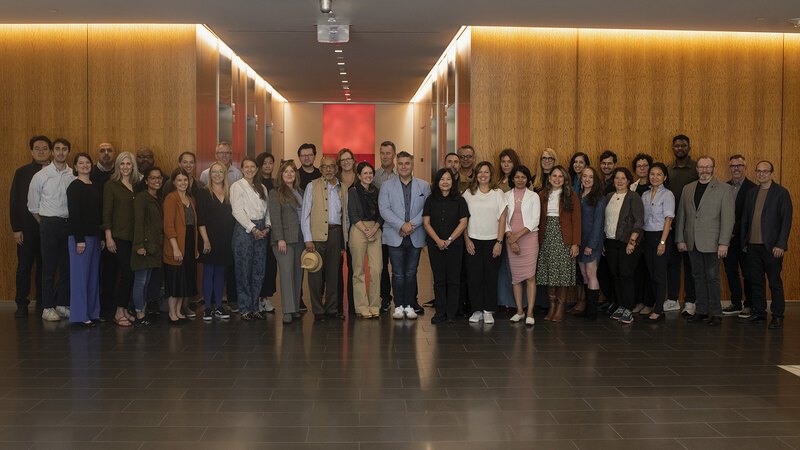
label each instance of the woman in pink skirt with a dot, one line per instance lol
(522, 224)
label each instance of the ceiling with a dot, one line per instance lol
(393, 43)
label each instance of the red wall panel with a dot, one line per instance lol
(350, 126)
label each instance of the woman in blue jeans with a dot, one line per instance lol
(148, 235)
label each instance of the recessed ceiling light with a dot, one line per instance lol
(338, 50)
(340, 63)
(346, 88)
(342, 73)
(345, 81)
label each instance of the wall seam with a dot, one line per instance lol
(576, 116)
(88, 93)
(783, 100)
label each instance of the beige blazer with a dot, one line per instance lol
(711, 223)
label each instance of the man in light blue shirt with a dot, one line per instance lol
(401, 201)
(47, 201)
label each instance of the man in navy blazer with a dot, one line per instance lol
(766, 224)
(400, 201)
(735, 261)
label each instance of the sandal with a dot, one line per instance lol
(122, 321)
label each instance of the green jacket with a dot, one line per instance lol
(148, 232)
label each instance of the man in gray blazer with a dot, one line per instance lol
(400, 201)
(705, 219)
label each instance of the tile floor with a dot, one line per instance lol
(392, 385)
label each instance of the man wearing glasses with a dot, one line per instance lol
(735, 261)
(705, 220)
(25, 226)
(766, 224)
(308, 173)
(224, 154)
(466, 155)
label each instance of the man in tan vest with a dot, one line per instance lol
(324, 225)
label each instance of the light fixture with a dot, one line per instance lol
(345, 81)
(340, 63)
(326, 6)
(338, 50)
(795, 22)
(342, 73)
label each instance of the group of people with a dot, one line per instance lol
(107, 235)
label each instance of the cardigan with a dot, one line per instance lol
(530, 209)
(175, 227)
(631, 216)
(570, 221)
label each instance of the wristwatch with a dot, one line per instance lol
(500, 242)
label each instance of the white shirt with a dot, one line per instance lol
(484, 211)
(47, 194)
(334, 208)
(234, 175)
(613, 208)
(552, 203)
(247, 206)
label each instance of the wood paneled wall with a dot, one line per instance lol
(207, 96)
(631, 91)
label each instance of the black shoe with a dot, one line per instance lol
(143, 322)
(611, 308)
(303, 308)
(174, 322)
(429, 304)
(776, 323)
(319, 318)
(296, 315)
(696, 318)
(418, 309)
(714, 321)
(207, 315)
(754, 320)
(87, 324)
(438, 318)
(22, 312)
(340, 316)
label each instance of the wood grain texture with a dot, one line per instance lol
(278, 129)
(142, 88)
(463, 87)
(207, 102)
(790, 159)
(239, 81)
(422, 136)
(523, 90)
(43, 92)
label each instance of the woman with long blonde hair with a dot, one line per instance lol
(547, 161)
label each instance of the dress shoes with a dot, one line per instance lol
(714, 321)
(697, 318)
(776, 323)
(754, 320)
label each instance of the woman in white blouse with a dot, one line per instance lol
(250, 238)
(484, 242)
(522, 239)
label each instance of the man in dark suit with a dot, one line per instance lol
(766, 224)
(704, 226)
(735, 261)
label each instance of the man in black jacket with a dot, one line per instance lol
(25, 227)
(766, 224)
(735, 261)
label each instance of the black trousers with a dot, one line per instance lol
(736, 269)
(657, 266)
(108, 283)
(482, 272)
(350, 303)
(324, 284)
(760, 262)
(122, 294)
(386, 285)
(230, 285)
(55, 262)
(28, 254)
(605, 279)
(622, 268)
(446, 270)
(677, 258)
(269, 285)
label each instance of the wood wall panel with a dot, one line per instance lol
(278, 128)
(523, 90)
(44, 92)
(790, 158)
(142, 88)
(239, 82)
(207, 100)
(463, 87)
(422, 136)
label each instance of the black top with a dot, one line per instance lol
(268, 183)
(306, 177)
(99, 178)
(608, 186)
(698, 193)
(85, 210)
(21, 218)
(218, 219)
(445, 213)
(642, 188)
(741, 196)
(362, 204)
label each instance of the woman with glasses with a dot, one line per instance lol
(215, 224)
(547, 161)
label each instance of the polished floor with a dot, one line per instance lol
(394, 385)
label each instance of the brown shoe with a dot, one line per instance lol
(559, 314)
(552, 310)
(579, 308)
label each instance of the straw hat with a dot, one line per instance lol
(311, 261)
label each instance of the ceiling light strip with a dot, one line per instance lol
(426, 82)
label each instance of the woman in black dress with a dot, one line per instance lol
(215, 224)
(266, 163)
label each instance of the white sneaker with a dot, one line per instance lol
(488, 318)
(517, 317)
(476, 317)
(62, 311)
(398, 313)
(410, 313)
(672, 305)
(266, 306)
(50, 315)
(529, 321)
(688, 309)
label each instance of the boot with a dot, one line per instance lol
(558, 316)
(592, 296)
(552, 310)
(580, 308)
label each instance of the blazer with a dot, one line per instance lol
(711, 223)
(530, 210)
(631, 216)
(776, 218)
(741, 196)
(285, 220)
(570, 221)
(393, 210)
(175, 227)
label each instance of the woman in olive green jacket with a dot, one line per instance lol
(148, 235)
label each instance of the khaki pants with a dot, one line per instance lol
(367, 302)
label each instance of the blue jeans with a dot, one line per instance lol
(141, 278)
(405, 260)
(213, 284)
(250, 258)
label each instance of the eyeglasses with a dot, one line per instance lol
(547, 158)
(218, 171)
(736, 166)
(310, 155)
(705, 167)
(642, 166)
(466, 156)
(327, 166)
(345, 159)
(763, 172)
